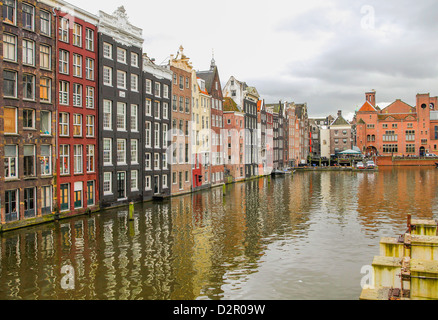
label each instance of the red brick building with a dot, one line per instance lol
(77, 109)
(399, 129)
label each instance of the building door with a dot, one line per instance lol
(422, 152)
(90, 193)
(46, 200)
(121, 185)
(156, 184)
(11, 205)
(64, 196)
(29, 202)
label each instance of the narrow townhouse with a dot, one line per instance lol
(120, 118)
(28, 113)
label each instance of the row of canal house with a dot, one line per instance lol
(89, 120)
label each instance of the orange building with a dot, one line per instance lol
(399, 129)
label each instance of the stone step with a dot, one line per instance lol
(424, 227)
(424, 279)
(422, 247)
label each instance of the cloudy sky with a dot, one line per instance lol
(325, 53)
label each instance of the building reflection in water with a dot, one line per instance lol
(206, 245)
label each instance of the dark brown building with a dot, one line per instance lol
(28, 112)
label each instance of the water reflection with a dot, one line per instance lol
(300, 237)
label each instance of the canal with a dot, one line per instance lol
(301, 237)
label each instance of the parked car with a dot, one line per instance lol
(370, 164)
(360, 165)
(431, 155)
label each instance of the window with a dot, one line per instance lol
(29, 160)
(77, 65)
(410, 135)
(107, 183)
(436, 133)
(394, 125)
(165, 91)
(11, 161)
(134, 117)
(107, 114)
(148, 134)
(46, 123)
(64, 92)
(108, 76)
(63, 61)
(90, 193)
(77, 35)
(90, 126)
(11, 205)
(77, 95)
(9, 47)
(121, 55)
(77, 125)
(390, 136)
(187, 83)
(134, 82)
(89, 69)
(121, 151)
(121, 79)
(390, 148)
(134, 151)
(157, 91)
(148, 183)
(77, 201)
(107, 151)
(29, 86)
(46, 199)
(134, 180)
(156, 161)
(45, 23)
(187, 105)
(46, 160)
(148, 86)
(28, 16)
(148, 161)
(107, 50)
(134, 59)
(89, 98)
(89, 39)
(165, 129)
(10, 120)
(45, 89)
(63, 29)
(64, 159)
(148, 107)
(165, 110)
(174, 180)
(9, 84)
(28, 52)
(9, 11)
(157, 109)
(45, 57)
(157, 135)
(63, 124)
(174, 103)
(181, 104)
(164, 160)
(28, 119)
(410, 148)
(121, 116)
(90, 158)
(29, 202)
(77, 158)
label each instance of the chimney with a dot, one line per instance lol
(371, 97)
(339, 113)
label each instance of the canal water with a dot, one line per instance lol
(301, 237)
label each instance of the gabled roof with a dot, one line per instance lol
(398, 106)
(367, 107)
(340, 121)
(230, 105)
